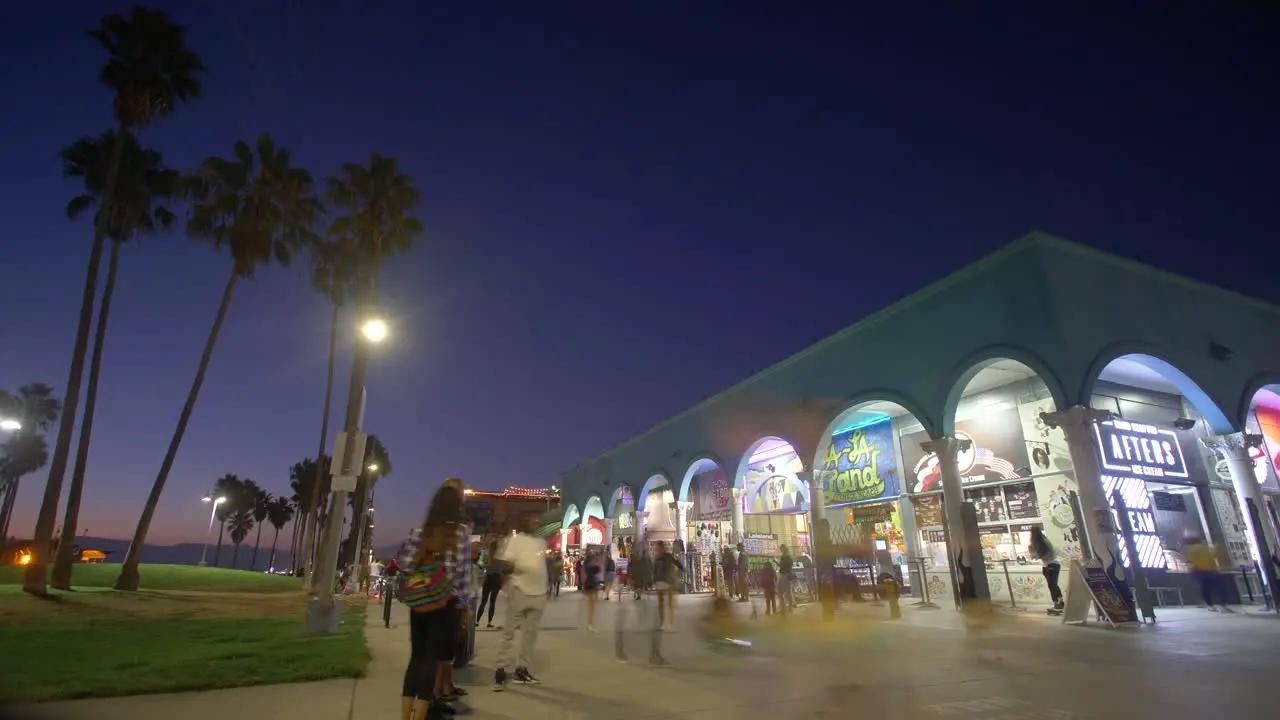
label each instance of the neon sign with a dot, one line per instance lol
(1141, 450)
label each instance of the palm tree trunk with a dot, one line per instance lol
(299, 524)
(128, 579)
(235, 552)
(313, 514)
(272, 563)
(35, 580)
(10, 489)
(70, 521)
(253, 562)
(217, 552)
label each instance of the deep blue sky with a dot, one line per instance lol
(629, 205)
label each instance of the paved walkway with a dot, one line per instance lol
(1022, 666)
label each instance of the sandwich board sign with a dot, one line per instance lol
(1090, 586)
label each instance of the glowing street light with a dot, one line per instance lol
(374, 330)
(215, 502)
(373, 467)
(10, 424)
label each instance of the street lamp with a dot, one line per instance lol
(374, 330)
(10, 424)
(373, 467)
(553, 490)
(215, 502)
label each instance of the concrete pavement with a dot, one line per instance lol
(1022, 666)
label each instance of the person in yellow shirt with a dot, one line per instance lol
(1205, 566)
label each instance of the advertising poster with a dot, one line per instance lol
(773, 488)
(997, 451)
(860, 465)
(712, 496)
(1048, 453)
(928, 510)
(1263, 421)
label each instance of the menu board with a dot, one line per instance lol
(1022, 501)
(928, 511)
(988, 503)
(1168, 502)
(760, 544)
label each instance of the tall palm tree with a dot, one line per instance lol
(240, 523)
(143, 184)
(333, 270)
(258, 207)
(377, 464)
(25, 450)
(258, 500)
(150, 71)
(231, 489)
(279, 513)
(304, 476)
(375, 203)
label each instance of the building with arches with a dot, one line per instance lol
(1033, 387)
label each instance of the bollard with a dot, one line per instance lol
(889, 589)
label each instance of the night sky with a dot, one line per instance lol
(629, 206)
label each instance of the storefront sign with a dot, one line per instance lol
(712, 496)
(928, 511)
(765, 544)
(860, 464)
(868, 514)
(1022, 501)
(626, 521)
(996, 452)
(593, 534)
(1140, 450)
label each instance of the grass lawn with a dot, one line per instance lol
(172, 577)
(100, 642)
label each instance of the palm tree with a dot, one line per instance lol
(279, 513)
(377, 464)
(143, 183)
(25, 451)
(259, 207)
(150, 71)
(240, 522)
(333, 271)
(258, 499)
(231, 489)
(376, 201)
(304, 476)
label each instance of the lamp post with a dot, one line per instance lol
(10, 424)
(215, 502)
(322, 612)
(553, 490)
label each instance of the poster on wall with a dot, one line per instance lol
(928, 511)
(712, 496)
(762, 544)
(1021, 499)
(996, 451)
(1263, 421)
(860, 465)
(774, 488)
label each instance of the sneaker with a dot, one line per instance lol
(440, 709)
(453, 694)
(488, 625)
(500, 680)
(524, 677)
(621, 658)
(658, 660)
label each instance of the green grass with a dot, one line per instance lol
(78, 657)
(173, 578)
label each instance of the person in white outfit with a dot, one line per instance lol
(524, 561)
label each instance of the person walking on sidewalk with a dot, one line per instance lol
(666, 575)
(786, 580)
(492, 583)
(1042, 549)
(526, 570)
(428, 591)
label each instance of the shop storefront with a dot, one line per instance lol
(775, 508)
(710, 527)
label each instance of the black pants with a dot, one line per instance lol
(770, 601)
(489, 594)
(1208, 586)
(420, 675)
(1051, 577)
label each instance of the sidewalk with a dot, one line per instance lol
(1193, 664)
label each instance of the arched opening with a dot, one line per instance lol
(878, 519)
(1263, 420)
(775, 501)
(594, 508)
(1177, 490)
(621, 508)
(1016, 473)
(655, 510)
(706, 501)
(571, 516)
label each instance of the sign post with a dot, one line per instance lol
(1090, 584)
(1137, 574)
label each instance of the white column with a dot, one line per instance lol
(738, 495)
(946, 449)
(1095, 508)
(641, 517)
(608, 534)
(682, 522)
(1234, 448)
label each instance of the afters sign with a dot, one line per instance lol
(1139, 450)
